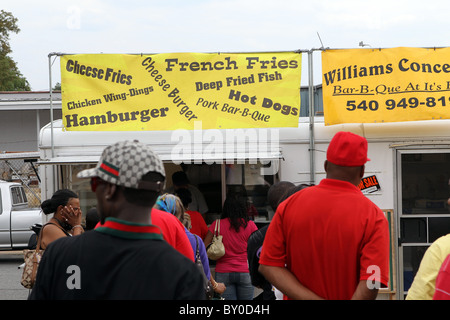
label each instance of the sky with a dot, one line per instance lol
(133, 26)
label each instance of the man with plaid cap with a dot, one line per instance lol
(126, 257)
(329, 241)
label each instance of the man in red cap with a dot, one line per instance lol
(329, 241)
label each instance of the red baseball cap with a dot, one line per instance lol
(348, 150)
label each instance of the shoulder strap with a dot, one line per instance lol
(217, 227)
(62, 229)
(38, 246)
(197, 253)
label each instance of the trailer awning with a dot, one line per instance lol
(231, 157)
(19, 155)
(70, 160)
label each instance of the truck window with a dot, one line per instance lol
(18, 196)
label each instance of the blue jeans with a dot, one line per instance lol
(239, 285)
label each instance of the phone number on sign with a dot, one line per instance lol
(391, 104)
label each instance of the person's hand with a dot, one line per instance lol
(71, 215)
(220, 288)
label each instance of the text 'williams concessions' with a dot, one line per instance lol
(404, 65)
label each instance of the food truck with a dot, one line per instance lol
(407, 177)
(228, 138)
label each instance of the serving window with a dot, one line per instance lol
(250, 180)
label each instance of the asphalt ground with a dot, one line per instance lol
(10, 275)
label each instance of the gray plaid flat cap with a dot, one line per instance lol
(124, 163)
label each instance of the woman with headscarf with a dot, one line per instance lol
(172, 204)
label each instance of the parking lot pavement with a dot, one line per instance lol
(10, 274)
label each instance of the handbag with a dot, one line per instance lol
(32, 259)
(216, 249)
(209, 291)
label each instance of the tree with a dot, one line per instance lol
(57, 87)
(10, 77)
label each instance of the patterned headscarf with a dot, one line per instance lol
(172, 204)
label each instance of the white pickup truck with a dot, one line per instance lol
(16, 217)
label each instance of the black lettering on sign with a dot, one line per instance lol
(369, 184)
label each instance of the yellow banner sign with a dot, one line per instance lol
(102, 92)
(385, 85)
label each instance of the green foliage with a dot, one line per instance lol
(57, 87)
(8, 23)
(10, 77)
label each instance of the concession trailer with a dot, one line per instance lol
(236, 123)
(407, 177)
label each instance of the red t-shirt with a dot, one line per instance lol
(235, 243)
(442, 291)
(199, 226)
(173, 232)
(330, 237)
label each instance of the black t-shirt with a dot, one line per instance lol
(97, 265)
(254, 246)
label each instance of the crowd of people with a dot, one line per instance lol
(327, 241)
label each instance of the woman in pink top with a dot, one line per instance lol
(232, 268)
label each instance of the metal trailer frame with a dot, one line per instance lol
(391, 138)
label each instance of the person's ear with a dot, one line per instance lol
(361, 173)
(110, 191)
